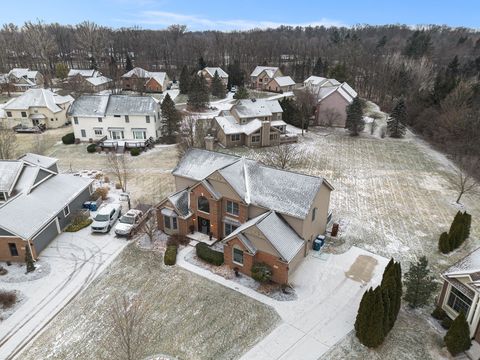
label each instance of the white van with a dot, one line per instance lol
(106, 217)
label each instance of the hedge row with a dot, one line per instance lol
(209, 255)
(170, 257)
(68, 139)
(78, 226)
(92, 148)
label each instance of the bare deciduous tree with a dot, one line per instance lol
(192, 133)
(7, 142)
(117, 165)
(149, 227)
(463, 181)
(306, 101)
(129, 332)
(283, 156)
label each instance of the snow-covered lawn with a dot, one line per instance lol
(74, 260)
(190, 317)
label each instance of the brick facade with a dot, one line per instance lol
(20, 243)
(279, 268)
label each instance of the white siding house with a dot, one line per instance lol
(119, 118)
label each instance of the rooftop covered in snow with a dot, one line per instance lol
(269, 70)
(252, 108)
(102, 105)
(38, 98)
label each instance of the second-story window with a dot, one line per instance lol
(75, 120)
(148, 119)
(203, 204)
(24, 114)
(232, 208)
(127, 119)
(99, 119)
(9, 114)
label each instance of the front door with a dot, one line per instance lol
(203, 225)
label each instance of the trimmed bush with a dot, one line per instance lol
(7, 298)
(68, 139)
(446, 323)
(209, 255)
(439, 313)
(261, 272)
(135, 151)
(101, 192)
(74, 227)
(458, 336)
(170, 257)
(92, 148)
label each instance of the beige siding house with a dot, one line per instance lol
(332, 104)
(209, 72)
(280, 84)
(261, 76)
(258, 213)
(88, 80)
(37, 107)
(252, 123)
(23, 79)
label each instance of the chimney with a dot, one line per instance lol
(265, 133)
(209, 140)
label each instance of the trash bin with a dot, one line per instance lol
(86, 205)
(317, 245)
(321, 239)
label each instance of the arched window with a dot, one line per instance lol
(203, 204)
(314, 214)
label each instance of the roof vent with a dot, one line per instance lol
(253, 99)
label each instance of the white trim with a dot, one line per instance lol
(233, 255)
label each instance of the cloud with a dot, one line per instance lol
(197, 22)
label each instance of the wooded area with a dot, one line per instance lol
(435, 69)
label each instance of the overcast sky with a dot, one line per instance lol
(243, 14)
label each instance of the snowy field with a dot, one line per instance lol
(190, 317)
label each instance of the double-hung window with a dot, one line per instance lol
(232, 208)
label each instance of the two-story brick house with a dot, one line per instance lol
(262, 75)
(252, 123)
(208, 74)
(260, 214)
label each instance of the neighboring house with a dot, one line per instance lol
(118, 120)
(252, 123)
(139, 79)
(37, 107)
(332, 102)
(280, 84)
(88, 80)
(24, 79)
(209, 72)
(314, 82)
(461, 291)
(261, 76)
(259, 213)
(36, 204)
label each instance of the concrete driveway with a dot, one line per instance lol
(75, 260)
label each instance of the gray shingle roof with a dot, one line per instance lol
(270, 70)
(258, 108)
(469, 264)
(9, 171)
(40, 160)
(283, 191)
(180, 201)
(101, 105)
(38, 98)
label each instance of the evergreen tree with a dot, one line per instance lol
(291, 112)
(396, 122)
(170, 120)
(392, 288)
(201, 63)
(61, 70)
(418, 44)
(93, 63)
(217, 88)
(318, 68)
(369, 321)
(444, 243)
(339, 72)
(354, 122)
(381, 43)
(420, 283)
(128, 64)
(457, 338)
(236, 76)
(198, 97)
(29, 259)
(185, 80)
(242, 93)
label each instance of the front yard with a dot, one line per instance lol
(189, 317)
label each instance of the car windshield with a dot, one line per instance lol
(127, 220)
(101, 217)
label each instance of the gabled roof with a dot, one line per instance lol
(138, 72)
(9, 172)
(468, 265)
(343, 89)
(144, 74)
(283, 191)
(23, 72)
(230, 126)
(38, 98)
(83, 72)
(98, 80)
(211, 71)
(251, 108)
(180, 201)
(101, 105)
(284, 81)
(40, 160)
(276, 230)
(269, 70)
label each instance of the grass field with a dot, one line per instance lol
(189, 317)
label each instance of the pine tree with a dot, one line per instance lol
(185, 80)
(29, 259)
(201, 63)
(467, 223)
(444, 243)
(381, 43)
(420, 283)
(369, 321)
(318, 69)
(93, 63)
(61, 70)
(458, 335)
(217, 88)
(392, 288)
(242, 93)
(236, 76)
(128, 64)
(354, 122)
(291, 112)
(396, 122)
(170, 120)
(198, 97)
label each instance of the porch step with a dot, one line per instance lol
(120, 149)
(201, 237)
(472, 353)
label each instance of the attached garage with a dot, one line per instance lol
(45, 236)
